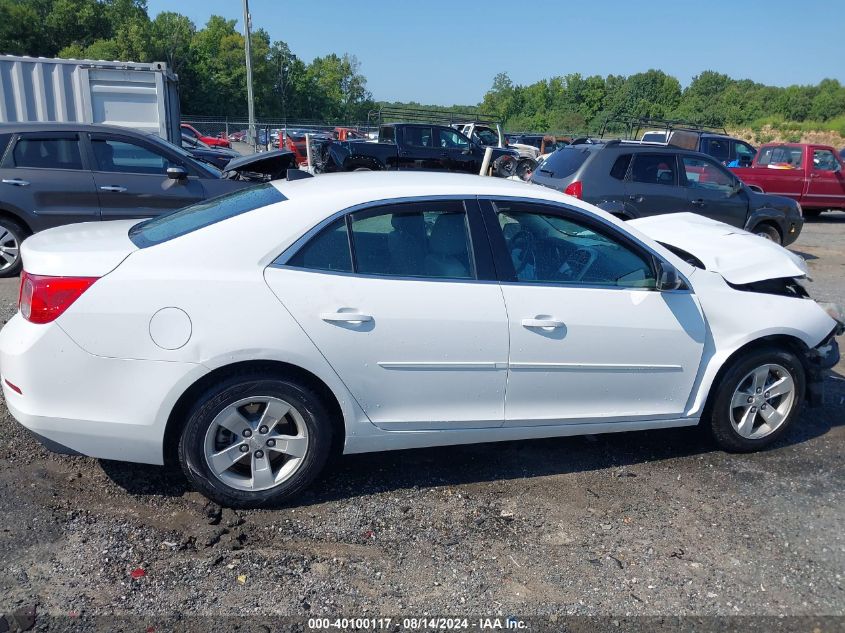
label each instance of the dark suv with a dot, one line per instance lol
(60, 173)
(631, 179)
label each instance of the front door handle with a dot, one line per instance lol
(17, 182)
(113, 189)
(550, 323)
(635, 198)
(697, 203)
(346, 317)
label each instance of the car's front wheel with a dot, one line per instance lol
(769, 232)
(757, 399)
(255, 441)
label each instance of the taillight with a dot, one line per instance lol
(43, 299)
(574, 189)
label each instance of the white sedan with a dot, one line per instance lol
(252, 336)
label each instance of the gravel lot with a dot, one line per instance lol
(655, 523)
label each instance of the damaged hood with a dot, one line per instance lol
(273, 164)
(739, 256)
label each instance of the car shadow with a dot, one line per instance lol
(371, 473)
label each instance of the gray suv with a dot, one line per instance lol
(60, 173)
(631, 179)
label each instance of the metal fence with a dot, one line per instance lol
(267, 131)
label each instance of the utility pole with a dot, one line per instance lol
(249, 97)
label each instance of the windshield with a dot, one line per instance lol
(196, 216)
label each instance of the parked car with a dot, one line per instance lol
(59, 173)
(544, 143)
(217, 156)
(211, 141)
(810, 174)
(390, 311)
(415, 146)
(631, 179)
(295, 141)
(726, 149)
(487, 136)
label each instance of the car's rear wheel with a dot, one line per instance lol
(255, 441)
(524, 167)
(769, 232)
(757, 399)
(11, 236)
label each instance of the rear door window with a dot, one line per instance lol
(418, 137)
(4, 143)
(47, 153)
(565, 162)
(718, 148)
(654, 169)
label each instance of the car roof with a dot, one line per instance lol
(49, 126)
(361, 187)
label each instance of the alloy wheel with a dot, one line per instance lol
(9, 249)
(256, 443)
(762, 401)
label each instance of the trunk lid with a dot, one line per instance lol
(739, 256)
(90, 249)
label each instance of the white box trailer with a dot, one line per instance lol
(134, 95)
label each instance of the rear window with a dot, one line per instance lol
(202, 214)
(564, 162)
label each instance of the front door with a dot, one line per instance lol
(712, 191)
(417, 335)
(826, 185)
(591, 339)
(457, 151)
(131, 179)
(44, 177)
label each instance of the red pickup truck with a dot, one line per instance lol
(810, 174)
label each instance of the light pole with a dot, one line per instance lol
(249, 97)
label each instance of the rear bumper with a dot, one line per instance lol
(101, 407)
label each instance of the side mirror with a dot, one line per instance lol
(177, 173)
(737, 187)
(668, 277)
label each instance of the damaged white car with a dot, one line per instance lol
(250, 335)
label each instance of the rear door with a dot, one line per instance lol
(407, 312)
(417, 151)
(826, 187)
(44, 177)
(652, 186)
(131, 178)
(712, 191)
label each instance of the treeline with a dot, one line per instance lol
(212, 71)
(210, 60)
(579, 104)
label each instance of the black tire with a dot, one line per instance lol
(719, 412)
(191, 449)
(769, 232)
(525, 166)
(812, 213)
(504, 167)
(11, 232)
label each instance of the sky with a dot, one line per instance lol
(441, 52)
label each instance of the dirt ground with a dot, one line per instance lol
(653, 523)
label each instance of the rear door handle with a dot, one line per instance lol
(345, 317)
(550, 323)
(697, 203)
(17, 182)
(113, 189)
